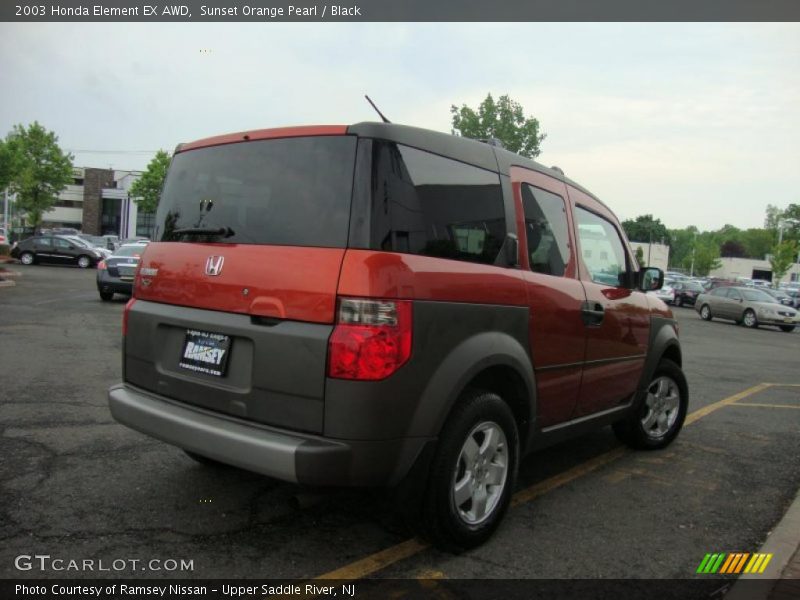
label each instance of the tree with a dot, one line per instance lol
(7, 164)
(504, 120)
(146, 190)
(774, 214)
(733, 248)
(783, 256)
(640, 256)
(706, 257)
(39, 169)
(646, 229)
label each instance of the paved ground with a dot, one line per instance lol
(74, 484)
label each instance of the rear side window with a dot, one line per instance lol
(291, 191)
(426, 204)
(602, 249)
(546, 230)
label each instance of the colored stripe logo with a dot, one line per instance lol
(733, 563)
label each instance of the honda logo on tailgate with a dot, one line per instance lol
(214, 265)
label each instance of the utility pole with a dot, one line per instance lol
(694, 245)
(5, 214)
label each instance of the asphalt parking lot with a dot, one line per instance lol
(74, 484)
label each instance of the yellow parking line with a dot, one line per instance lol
(375, 562)
(767, 405)
(707, 410)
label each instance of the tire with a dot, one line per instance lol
(705, 312)
(787, 328)
(667, 396)
(106, 296)
(479, 442)
(749, 319)
(84, 262)
(27, 258)
(205, 461)
(678, 301)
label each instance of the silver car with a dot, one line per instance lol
(747, 306)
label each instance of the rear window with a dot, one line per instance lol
(292, 192)
(427, 204)
(129, 251)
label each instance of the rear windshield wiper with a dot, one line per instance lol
(223, 231)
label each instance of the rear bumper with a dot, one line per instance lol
(285, 455)
(107, 283)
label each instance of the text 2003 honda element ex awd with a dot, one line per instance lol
(377, 304)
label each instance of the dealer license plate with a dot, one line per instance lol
(205, 352)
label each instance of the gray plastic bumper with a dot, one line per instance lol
(288, 456)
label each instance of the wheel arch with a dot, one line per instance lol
(492, 361)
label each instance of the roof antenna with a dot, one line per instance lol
(385, 120)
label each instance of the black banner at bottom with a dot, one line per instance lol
(397, 589)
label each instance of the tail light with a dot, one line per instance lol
(371, 340)
(127, 310)
(102, 265)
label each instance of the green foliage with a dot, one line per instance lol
(36, 169)
(733, 248)
(783, 256)
(706, 257)
(640, 256)
(646, 229)
(504, 120)
(8, 165)
(146, 190)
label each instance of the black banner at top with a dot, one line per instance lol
(397, 10)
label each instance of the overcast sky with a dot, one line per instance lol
(694, 123)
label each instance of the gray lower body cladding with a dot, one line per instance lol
(285, 455)
(276, 413)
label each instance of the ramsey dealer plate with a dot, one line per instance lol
(205, 352)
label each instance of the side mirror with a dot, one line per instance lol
(512, 250)
(650, 279)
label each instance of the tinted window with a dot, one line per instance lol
(63, 244)
(545, 230)
(293, 191)
(734, 294)
(598, 237)
(722, 292)
(426, 204)
(47, 242)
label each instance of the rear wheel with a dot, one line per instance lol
(27, 258)
(678, 301)
(473, 472)
(787, 328)
(749, 319)
(84, 262)
(660, 414)
(705, 312)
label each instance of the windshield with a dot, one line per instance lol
(292, 191)
(129, 251)
(757, 296)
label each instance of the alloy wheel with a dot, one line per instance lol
(661, 407)
(481, 473)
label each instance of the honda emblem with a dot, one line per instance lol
(214, 265)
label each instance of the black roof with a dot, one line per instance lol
(459, 148)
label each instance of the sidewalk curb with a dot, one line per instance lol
(782, 543)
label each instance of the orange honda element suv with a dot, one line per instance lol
(375, 304)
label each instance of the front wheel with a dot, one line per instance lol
(473, 472)
(84, 262)
(705, 312)
(749, 319)
(787, 328)
(26, 258)
(660, 414)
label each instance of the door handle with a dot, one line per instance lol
(593, 313)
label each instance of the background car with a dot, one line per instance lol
(748, 306)
(80, 241)
(56, 249)
(780, 296)
(686, 292)
(666, 293)
(115, 274)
